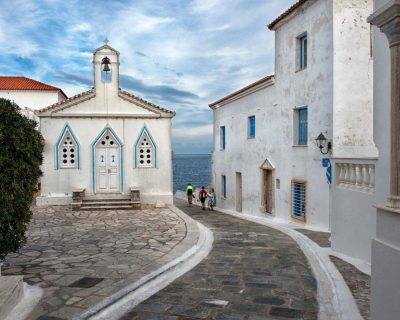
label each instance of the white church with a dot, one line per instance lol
(106, 143)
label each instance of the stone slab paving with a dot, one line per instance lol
(81, 257)
(253, 272)
(321, 238)
(359, 284)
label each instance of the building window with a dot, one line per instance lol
(145, 150)
(301, 126)
(223, 186)
(67, 150)
(302, 49)
(299, 200)
(222, 137)
(251, 127)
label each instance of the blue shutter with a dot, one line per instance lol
(224, 186)
(252, 127)
(302, 125)
(222, 133)
(298, 199)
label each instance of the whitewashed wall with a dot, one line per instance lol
(273, 108)
(33, 99)
(154, 183)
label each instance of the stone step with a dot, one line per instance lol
(106, 199)
(107, 203)
(105, 207)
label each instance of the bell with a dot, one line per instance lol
(106, 67)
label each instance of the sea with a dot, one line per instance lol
(191, 168)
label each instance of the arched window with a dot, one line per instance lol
(105, 70)
(145, 150)
(67, 150)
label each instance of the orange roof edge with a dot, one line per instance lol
(24, 83)
(298, 4)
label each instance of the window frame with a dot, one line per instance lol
(250, 134)
(223, 186)
(302, 49)
(298, 127)
(145, 132)
(222, 137)
(304, 199)
(58, 149)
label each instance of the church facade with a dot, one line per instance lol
(106, 141)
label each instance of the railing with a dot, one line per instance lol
(356, 176)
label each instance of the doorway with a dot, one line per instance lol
(107, 157)
(268, 191)
(238, 191)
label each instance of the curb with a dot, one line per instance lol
(335, 301)
(126, 299)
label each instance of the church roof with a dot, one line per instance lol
(91, 93)
(285, 14)
(24, 83)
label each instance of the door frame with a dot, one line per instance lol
(264, 192)
(93, 158)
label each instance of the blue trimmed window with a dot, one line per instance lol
(67, 150)
(222, 134)
(251, 127)
(302, 125)
(145, 150)
(298, 199)
(302, 40)
(223, 185)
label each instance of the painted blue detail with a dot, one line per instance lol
(145, 130)
(113, 158)
(102, 158)
(222, 137)
(303, 125)
(252, 127)
(224, 186)
(298, 205)
(326, 163)
(66, 129)
(93, 151)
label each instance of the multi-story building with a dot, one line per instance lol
(266, 158)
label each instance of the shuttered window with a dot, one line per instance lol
(222, 137)
(223, 185)
(298, 200)
(302, 117)
(251, 131)
(302, 52)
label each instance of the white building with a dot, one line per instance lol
(29, 94)
(105, 141)
(265, 160)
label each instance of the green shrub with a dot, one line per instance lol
(21, 154)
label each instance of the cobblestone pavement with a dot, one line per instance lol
(321, 238)
(359, 284)
(253, 272)
(81, 257)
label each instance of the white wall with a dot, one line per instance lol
(153, 182)
(273, 108)
(33, 99)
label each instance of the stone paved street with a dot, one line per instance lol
(80, 258)
(253, 272)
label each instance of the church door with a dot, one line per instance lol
(107, 164)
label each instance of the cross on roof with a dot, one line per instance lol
(106, 41)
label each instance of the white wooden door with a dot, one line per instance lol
(107, 166)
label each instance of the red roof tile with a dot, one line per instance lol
(233, 94)
(23, 83)
(286, 13)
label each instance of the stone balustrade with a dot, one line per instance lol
(356, 176)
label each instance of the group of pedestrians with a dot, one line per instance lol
(203, 196)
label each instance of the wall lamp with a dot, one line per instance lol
(323, 144)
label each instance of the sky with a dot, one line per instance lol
(179, 54)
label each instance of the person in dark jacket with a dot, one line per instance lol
(203, 197)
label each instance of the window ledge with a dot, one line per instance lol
(300, 145)
(251, 138)
(299, 70)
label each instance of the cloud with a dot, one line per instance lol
(182, 54)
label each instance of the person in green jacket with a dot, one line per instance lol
(190, 193)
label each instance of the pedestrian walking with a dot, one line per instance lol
(190, 193)
(203, 197)
(212, 199)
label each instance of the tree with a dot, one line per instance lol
(21, 154)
